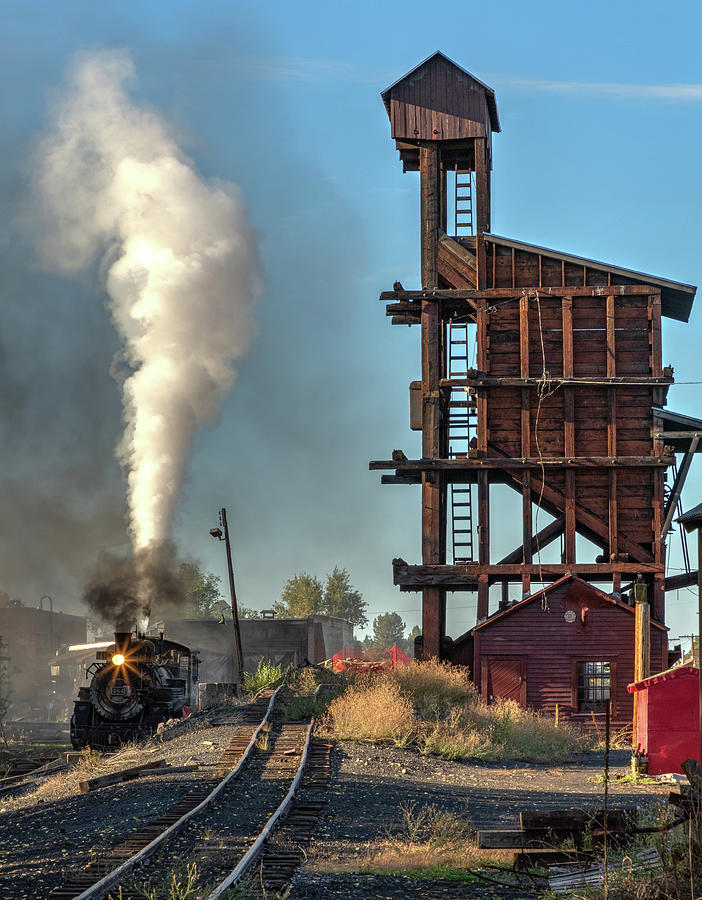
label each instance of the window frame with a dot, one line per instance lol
(590, 658)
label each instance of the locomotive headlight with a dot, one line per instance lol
(118, 659)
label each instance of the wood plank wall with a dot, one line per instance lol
(527, 338)
(551, 648)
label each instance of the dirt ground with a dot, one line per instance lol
(371, 783)
(45, 833)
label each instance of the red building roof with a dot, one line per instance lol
(580, 587)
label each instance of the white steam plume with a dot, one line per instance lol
(181, 268)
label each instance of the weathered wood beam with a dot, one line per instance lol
(588, 524)
(533, 462)
(401, 479)
(483, 544)
(677, 582)
(611, 368)
(568, 430)
(433, 597)
(448, 576)
(482, 186)
(679, 436)
(525, 437)
(487, 381)
(508, 293)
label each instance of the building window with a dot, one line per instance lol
(593, 686)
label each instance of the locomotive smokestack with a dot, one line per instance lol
(123, 641)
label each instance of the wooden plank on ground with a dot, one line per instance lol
(92, 784)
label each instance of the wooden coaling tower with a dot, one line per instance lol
(540, 370)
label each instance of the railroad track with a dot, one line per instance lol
(32, 777)
(96, 879)
(254, 785)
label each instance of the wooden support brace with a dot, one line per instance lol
(483, 597)
(433, 599)
(540, 540)
(642, 643)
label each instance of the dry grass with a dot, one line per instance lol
(67, 784)
(435, 707)
(303, 681)
(373, 709)
(425, 841)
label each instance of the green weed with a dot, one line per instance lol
(302, 708)
(267, 675)
(181, 885)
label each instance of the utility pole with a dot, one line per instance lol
(217, 533)
(642, 643)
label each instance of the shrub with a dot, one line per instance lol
(435, 707)
(304, 681)
(266, 675)
(302, 708)
(372, 709)
(524, 734)
(435, 687)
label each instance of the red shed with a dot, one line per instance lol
(668, 720)
(570, 645)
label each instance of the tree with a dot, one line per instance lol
(388, 629)
(203, 592)
(302, 596)
(245, 612)
(343, 600)
(416, 631)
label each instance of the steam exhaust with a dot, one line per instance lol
(181, 270)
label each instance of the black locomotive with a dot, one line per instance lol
(132, 687)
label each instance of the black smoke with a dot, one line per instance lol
(122, 590)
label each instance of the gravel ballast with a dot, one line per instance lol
(47, 833)
(51, 830)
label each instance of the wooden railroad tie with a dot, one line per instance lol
(545, 831)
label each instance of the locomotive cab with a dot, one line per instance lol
(133, 686)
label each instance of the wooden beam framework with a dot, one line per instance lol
(558, 399)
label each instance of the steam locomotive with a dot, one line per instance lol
(132, 687)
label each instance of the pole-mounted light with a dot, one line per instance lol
(219, 535)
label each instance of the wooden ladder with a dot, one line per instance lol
(463, 202)
(462, 421)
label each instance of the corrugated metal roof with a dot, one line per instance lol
(692, 518)
(668, 675)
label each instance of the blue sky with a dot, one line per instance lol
(600, 109)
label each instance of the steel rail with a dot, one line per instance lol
(116, 875)
(252, 853)
(31, 777)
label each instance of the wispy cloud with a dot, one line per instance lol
(306, 69)
(310, 70)
(618, 90)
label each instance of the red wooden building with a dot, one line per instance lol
(540, 370)
(570, 645)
